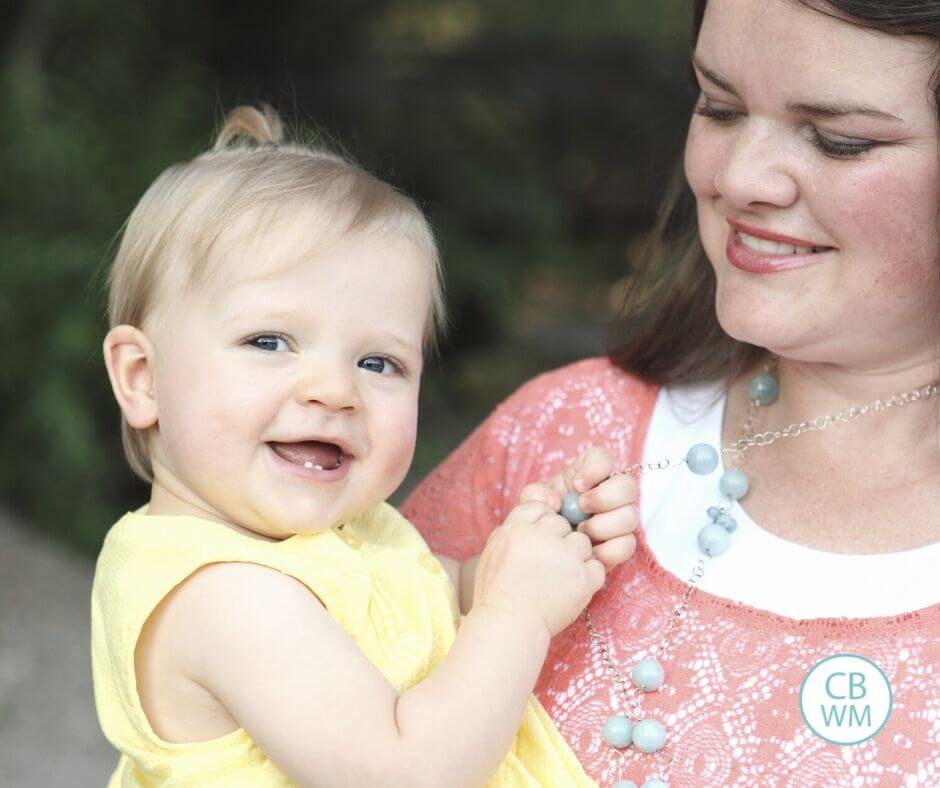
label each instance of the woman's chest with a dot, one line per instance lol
(845, 516)
(730, 703)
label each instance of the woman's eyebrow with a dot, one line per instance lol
(713, 77)
(813, 109)
(828, 110)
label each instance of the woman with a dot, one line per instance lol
(813, 165)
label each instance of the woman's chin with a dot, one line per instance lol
(762, 330)
(786, 341)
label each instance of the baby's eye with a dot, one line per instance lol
(383, 365)
(270, 342)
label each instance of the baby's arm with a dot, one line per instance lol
(462, 576)
(262, 645)
(610, 500)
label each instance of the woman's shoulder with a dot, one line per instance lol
(583, 385)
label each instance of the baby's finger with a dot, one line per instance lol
(597, 574)
(572, 469)
(610, 494)
(558, 485)
(610, 525)
(542, 493)
(591, 468)
(555, 524)
(615, 551)
(531, 511)
(581, 544)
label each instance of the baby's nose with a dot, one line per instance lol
(328, 385)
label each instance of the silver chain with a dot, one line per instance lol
(822, 422)
(630, 693)
(747, 441)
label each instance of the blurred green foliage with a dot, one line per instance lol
(535, 134)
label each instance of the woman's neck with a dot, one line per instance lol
(862, 486)
(900, 434)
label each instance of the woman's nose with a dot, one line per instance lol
(755, 170)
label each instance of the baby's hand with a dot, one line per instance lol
(537, 569)
(609, 500)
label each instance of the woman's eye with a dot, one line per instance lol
(839, 149)
(717, 114)
(270, 342)
(380, 364)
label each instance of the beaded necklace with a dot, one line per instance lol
(631, 728)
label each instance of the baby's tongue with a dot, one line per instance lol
(326, 455)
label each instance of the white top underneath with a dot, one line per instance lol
(760, 569)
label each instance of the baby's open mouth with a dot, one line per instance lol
(316, 455)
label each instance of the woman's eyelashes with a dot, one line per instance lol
(846, 148)
(707, 110)
(839, 149)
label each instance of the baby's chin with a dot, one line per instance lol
(279, 526)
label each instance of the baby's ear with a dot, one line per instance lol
(129, 357)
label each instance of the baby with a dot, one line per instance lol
(267, 619)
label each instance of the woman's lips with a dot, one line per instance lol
(764, 255)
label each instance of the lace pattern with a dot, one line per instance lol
(730, 701)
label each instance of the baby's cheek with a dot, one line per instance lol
(401, 433)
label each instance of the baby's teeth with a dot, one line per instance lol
(313, 466)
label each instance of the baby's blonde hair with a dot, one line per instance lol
(170, 235)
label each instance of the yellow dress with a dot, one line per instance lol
(375, 576)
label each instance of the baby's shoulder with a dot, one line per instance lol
(221, 608)
(230, 600)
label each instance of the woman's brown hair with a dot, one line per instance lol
(667, 331)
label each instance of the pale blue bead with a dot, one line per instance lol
(624, 784)
(570, 509)
(654, 783)
(713, 540)
(618, 731)
(764, 388)
(714, 512)
(648, 675)
(649, 736)
(727, 522)
(733, 483)
(702, 459)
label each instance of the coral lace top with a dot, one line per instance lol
(730, 703)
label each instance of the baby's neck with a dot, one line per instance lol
(164, 502)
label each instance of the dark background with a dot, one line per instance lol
(538, 136)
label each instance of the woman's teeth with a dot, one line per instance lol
(775, 247)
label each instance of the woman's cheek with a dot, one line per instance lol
(702, 159)
(889, 226)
